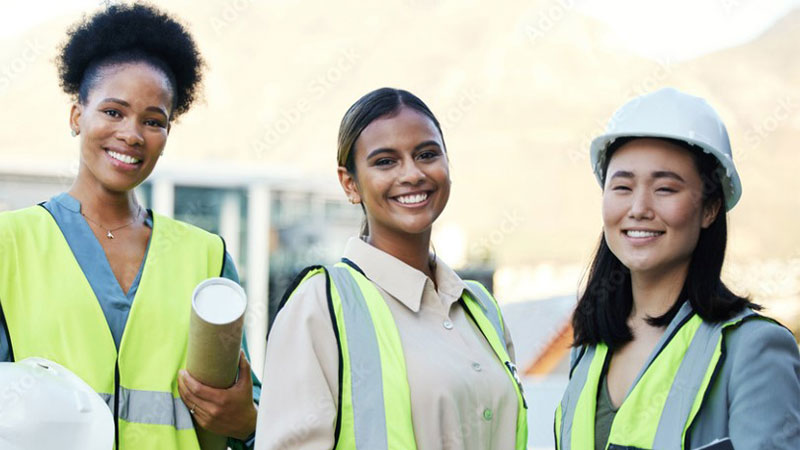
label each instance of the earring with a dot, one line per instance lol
(73, 132)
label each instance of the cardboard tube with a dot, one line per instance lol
(215, 336)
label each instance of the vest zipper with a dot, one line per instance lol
(116, 403)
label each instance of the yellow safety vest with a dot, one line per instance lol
(375, 400)
(661, 407)
(52, 312)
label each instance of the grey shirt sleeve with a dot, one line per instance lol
(5, 348)
(764, 387)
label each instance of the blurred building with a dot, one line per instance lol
(274, 223)
(542, 334)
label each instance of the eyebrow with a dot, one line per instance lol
(622, 174)
(127, 105)
(656, 174)
(419, 146)
(668, 174)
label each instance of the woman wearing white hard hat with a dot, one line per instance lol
(665, 355)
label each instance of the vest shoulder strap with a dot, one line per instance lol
(304, 274)
(19, 220)
(575, 356)
(491, 309)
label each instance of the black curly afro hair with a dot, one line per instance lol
(125, 34)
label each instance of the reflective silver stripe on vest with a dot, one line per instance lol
(489, 306)
(369, 416)
(151, 407)
(109, 399)
(570, 401)
(687, 383)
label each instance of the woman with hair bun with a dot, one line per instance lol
(390, 348)
(93, 281)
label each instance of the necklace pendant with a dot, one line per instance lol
(109, 235)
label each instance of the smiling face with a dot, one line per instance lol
(123, 125)
(653, 206)
(402, 175)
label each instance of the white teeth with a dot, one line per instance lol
(124, 158)
(642, 233)
(411, 199)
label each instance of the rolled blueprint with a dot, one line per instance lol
(215, 336)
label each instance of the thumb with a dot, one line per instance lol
(244, 368)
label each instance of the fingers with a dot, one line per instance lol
(197, 407)
(199, 390)
(186, 395)
(244, 364)
(228, 412)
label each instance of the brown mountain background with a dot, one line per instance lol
(519, 99)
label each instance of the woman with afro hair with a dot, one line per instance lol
(93, 281)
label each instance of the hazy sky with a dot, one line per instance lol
(673, 29)
(682, 29)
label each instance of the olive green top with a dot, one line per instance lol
(604, 415)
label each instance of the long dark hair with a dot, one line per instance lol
(380, 103)
(606, 303)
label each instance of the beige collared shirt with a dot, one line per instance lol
(461, 396)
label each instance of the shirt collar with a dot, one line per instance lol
(67, 201)
(71, 203)
(400, 280)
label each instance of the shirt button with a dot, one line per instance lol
(447, 324)
(476, 367)
(487, 414)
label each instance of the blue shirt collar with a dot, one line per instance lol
(71, 203)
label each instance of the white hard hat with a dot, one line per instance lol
(44, 405)
(669, 113)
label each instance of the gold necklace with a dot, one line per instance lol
(109, 231)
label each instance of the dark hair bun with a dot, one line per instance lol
(131, 33)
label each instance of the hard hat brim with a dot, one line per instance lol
(731, 184)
